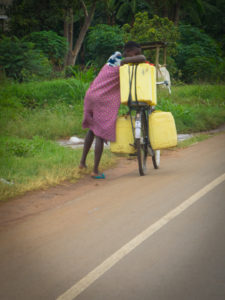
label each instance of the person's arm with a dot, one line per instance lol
(133, 59)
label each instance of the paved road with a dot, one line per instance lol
(161, 236)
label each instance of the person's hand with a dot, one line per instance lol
(122, 62)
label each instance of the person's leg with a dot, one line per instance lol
(99, 145)
(87, 145)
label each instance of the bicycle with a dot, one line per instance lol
(140, 130)
(142, 142)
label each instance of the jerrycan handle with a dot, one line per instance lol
(130, 85)
(134, 70)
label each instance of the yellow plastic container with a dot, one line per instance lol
(145, 83)
(162, 130)
(124, 136)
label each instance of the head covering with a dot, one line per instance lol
(131, 45)
(115, 59)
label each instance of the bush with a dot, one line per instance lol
(86, 75)
(201, 69)
(51, 44)
(102, 41)
(199, 56)
(21, 61)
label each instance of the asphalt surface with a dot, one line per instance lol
(51, 254)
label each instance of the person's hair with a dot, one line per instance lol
(131, 45)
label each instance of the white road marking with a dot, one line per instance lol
(91, 277)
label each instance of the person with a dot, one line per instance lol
(102, 102)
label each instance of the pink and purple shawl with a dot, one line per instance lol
(102, 102)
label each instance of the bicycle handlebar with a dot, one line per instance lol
(166, 83)
(163, 82)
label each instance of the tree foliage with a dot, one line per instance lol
(21, 61)
(145, 29)
(102, 41)
(127, 10)
(199, 56)
(51, 44)
(27, 16)
(142, 20)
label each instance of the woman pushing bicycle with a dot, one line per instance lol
(102, 102)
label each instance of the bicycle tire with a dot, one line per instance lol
(156, 158)
(142, 147)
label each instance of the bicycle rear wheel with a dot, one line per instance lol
(142, 146)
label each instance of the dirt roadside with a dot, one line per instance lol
(35, 202)
(32, 203)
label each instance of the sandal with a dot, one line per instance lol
(100, 176)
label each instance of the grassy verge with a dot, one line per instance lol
(52, 122)
(195, 108)
(193, 140)
(34, 115)
(29, 164)
(51, 109)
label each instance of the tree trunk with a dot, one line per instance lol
(70, 38)
(87, 22)
(156, 7)
(176, 13)
(165, 9)
(68, 34)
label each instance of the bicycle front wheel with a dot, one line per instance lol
(142, 147)
(156, 158)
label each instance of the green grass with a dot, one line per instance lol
(51, 109)
(54, 109)
(42, 94)
(34, 115)
(53, 122)
(193, 140)
(38, 163)
(195, 95)
(195, 108)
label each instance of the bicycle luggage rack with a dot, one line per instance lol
(156, 45)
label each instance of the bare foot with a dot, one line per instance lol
(94, 174)
(82, 166)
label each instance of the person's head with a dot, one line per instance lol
(131, 48)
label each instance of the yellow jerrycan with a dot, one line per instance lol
(162, 130)
(139, 83)
(124, 136)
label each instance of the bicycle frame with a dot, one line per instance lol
(140, 130)
(140, 108)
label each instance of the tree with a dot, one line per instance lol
(102, 41)
(111, 7)
(68, 30)
(126, 11)
(151, 30)
(199, 56)
(51, 44)
(174, 9)
(21, 61)
(27, 16)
